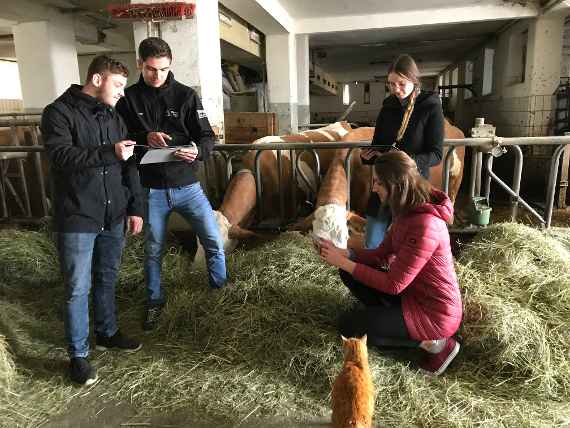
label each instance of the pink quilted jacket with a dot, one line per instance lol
(421, 270)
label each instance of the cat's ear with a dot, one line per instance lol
(364, 339)
(344, 339)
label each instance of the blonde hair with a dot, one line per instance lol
(406, 187)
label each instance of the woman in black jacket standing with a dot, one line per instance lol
(410, 120)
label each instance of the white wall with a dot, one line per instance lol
(516, 108)
(47, 59)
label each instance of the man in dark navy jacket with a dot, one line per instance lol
(161, 112)
(97, 197)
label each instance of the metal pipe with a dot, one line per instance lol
(229, 167)
(294, 177)
(487, 188)
(280, 186)
(483, 143)
(446, 168)
(551, 189)
(507, 189)
(317, 167)
(517, 177)
(473, 177)
(348, 172)
(39, 172)
(258, 185)
(478, 174)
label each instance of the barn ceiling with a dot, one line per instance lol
(367, 53)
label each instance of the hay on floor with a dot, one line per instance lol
(7, 367)
(268, 345)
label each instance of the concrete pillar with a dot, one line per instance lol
(545, 48)
(304, 100)
(196, 55)
(281, 56)
(47, 59)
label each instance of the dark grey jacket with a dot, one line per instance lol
(176, 110)
(93, 190)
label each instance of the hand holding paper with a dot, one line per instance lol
(187, 154)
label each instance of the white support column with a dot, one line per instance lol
(281, 57)
(196, 55)
(304, 107)
(545, 36)
(47, 59)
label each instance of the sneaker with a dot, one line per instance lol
(82, 372)
(436, 364)
(151, 317)
(117, 341)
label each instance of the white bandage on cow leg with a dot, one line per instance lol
(330, 224)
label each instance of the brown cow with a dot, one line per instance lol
(237, 210)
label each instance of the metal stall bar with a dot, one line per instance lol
(551, 189)
(281, 187)
(317, 160)
(294, 171)
(517, 177)
(507, 189)
(258, 186)
(446, 168)
(39, 172)
(347, 170)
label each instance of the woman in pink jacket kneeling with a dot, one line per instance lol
(407, 285)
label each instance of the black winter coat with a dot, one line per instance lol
(93, 190)
(176, 110)
(423, 139)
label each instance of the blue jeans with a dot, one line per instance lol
(85, 259)
(376, 227)
(191, 203)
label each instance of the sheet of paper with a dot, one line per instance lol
(159, 155)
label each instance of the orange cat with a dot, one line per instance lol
(353, 391)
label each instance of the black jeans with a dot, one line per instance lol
(381, 317)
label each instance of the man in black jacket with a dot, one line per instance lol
(161, 112)
(97, 196)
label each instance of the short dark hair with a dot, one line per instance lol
(103, 63)
(154, 47)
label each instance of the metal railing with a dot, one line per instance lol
(484, 152)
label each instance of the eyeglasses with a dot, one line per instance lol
(397, 84)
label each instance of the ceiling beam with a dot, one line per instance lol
(269, 16)
(450, 15)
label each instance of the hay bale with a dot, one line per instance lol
(516, 286)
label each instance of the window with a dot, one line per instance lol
(10, 78)
(346, 94)
(366, 99)
(488, 60)
(468, 79)
(454, 81)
